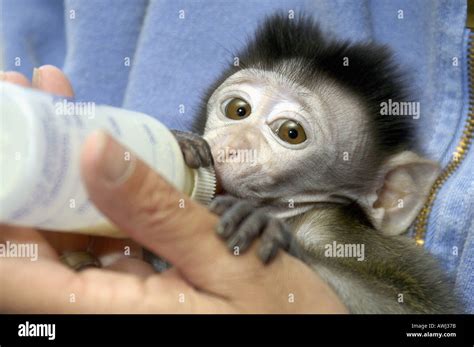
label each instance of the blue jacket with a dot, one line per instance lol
(171, 62)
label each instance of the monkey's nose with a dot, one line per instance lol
(242, 143)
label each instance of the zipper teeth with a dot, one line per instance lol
(458, 155)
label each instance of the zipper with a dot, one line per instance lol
(463, 144)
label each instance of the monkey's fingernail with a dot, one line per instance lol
(236, 241)
(220, 229)
(231, 245)
(115, 163)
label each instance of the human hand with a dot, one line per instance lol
(205, 277)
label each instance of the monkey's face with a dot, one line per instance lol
(272, 139)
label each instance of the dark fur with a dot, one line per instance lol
(371, 72)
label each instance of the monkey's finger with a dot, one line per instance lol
(267, 250)
(232, 218)
(221, 203)
(191, 155)
(205, 153)
(249, 230)
(274, 236)
(202, 148)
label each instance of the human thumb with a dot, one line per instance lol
(151, 211)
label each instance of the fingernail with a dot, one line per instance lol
(36, 80)
(115, 162)
(220, 229)
(2, 75)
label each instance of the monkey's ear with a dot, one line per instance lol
(406, 181)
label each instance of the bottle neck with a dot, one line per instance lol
(189, 181)
(200, 184)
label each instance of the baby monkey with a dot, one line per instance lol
(309, 163)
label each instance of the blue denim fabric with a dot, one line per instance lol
(174, 60)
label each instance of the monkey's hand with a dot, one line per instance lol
(196, 150)
(242, 222)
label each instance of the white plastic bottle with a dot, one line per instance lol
(40, 142)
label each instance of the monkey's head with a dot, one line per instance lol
(301, 121)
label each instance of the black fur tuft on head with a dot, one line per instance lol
(371, 72)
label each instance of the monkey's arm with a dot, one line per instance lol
(391, 276)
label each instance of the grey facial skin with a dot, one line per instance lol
(310, 166)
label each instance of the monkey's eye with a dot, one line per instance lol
(237, 109)
(291, 132)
